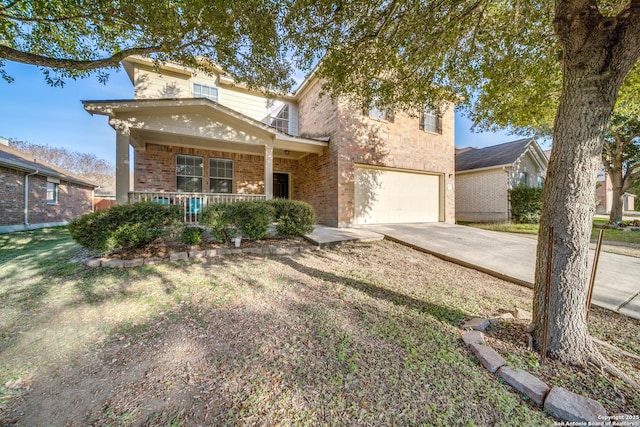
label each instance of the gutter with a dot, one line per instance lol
(26, 196)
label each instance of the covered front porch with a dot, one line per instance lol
(194, 152)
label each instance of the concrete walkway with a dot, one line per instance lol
(512, 258)
(327, 236)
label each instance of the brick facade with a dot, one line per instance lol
(326, 180)
(483, 196)
(74, 200)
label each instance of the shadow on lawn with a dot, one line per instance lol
(444, 314)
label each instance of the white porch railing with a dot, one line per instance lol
(191, 203)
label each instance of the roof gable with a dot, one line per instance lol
(496, 155)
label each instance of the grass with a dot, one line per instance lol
(361, 334)
(610, 236)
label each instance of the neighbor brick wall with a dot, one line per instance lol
(74, 200)
(12, 200)
(482, 196)
(398, 144)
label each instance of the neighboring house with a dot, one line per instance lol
(604, 195)
(34, 194)
(199, 138)
(485, 176)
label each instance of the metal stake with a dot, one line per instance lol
(594, 269)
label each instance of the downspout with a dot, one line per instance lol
(26, 196)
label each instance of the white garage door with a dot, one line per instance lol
(385, 196)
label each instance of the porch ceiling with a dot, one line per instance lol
(199, 123)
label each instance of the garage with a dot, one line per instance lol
(385, 196)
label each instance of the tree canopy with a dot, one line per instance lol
(74, 38)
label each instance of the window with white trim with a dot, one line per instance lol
(52, 193)
(280, 118)
(221, 176)
(430, 121)
(189, 172)
(204, 91)
(380, 113)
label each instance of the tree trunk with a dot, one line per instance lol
(594, 64)
(617, 200)
(567, 207)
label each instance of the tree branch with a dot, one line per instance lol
(72, 64)
(46, 20)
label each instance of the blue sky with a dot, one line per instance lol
(31, 110)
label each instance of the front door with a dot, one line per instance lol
(281, 185)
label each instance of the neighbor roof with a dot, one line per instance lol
(14, 159)
(496, 155)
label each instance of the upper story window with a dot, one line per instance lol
(280, 118)
(189, 171)
(430, 121)
(203, 91)
(380, 113)
(523, 178)
(52, 193)
(221, 176)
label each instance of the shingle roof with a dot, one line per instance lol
(496, 155)
(15, 159)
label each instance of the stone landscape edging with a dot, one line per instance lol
(559, 402)
(207, 253)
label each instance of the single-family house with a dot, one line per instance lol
(484, 177)
(200, 137)
(35, 194)
(604, 194)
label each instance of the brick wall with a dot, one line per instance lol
(317, 180)
(155, 169)
(12, 200)
(398, 144)
(74, 200)
(482, 196)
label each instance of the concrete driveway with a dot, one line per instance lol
(512, 258)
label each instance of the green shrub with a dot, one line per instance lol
(122, 227)
(293, 217)
(192, 235)
(526, 204)
(253, 218)
(219, 218)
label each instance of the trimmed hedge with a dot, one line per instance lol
(124, 226)
(293, 217)
(219, 218)
(526, 204)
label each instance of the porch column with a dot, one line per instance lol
(268, 170)
(122, 166)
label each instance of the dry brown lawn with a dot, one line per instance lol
(362, 334)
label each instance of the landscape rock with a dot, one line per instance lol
(197, 254)
(93, 262)
(568, 406)
(128, 263)
(489, 358)
(472, 337)
(504, 317)
(252, 251)
(176, 256)
(117, 263)
(153, 260)
(476, 324)
(525, 383)
(211, 253)
(521, 314)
